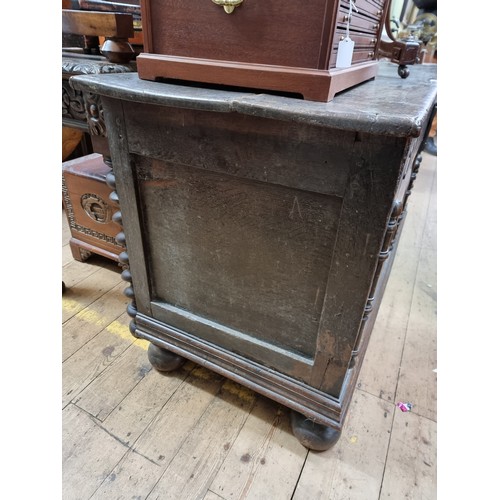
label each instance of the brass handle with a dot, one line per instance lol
(229, 5)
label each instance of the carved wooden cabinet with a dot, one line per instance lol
(260, 230)
(281, 45)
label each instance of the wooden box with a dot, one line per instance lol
(285, 45)
(261, 230)
(89, 208)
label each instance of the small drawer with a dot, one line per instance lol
(358, 22)
(360, 39)
(365, 7)
(358, 56)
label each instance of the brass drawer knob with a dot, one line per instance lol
(229, 5)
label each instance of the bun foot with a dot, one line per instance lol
(163, 360)
(312, 435)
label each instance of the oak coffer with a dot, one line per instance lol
(314, 48)
(260, 230)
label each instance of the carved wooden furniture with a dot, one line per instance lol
(283, 45)
(117, 28)
(87, 58)
(260, 230)
(88, 207)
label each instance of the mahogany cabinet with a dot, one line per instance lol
(281, 45)
(260, 230)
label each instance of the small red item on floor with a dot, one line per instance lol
(405, 406)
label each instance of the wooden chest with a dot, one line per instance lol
(261, 229)
(89, 208)
(281, 45)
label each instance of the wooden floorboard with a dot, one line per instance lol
(131, 432)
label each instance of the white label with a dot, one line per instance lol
(344, 55)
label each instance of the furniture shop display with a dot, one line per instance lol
(284, 45)
(260, 230)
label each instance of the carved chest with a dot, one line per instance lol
(280, 45)
(89, 209)
(260, 230)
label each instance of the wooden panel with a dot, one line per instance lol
(248, 147)
(246, 243)
(277, 33)
(97, 23)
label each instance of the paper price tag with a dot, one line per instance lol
(344, 54)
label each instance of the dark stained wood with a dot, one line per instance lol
(163, 360)
(288, 46)
(130, 7)
(260, 230)
(107, 24)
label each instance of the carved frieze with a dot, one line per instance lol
(73, 106)
(95, 114)
(83, 66)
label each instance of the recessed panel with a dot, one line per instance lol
(250, 256)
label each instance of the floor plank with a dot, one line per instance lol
(103, 394)
(194, 467)
(80, 294)
(265, 460)
(85, 464)
(143, 403)
(88, 322)
(156, 447)
(417, 382)
(411, 468)
(429, 240)
(87, 363)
